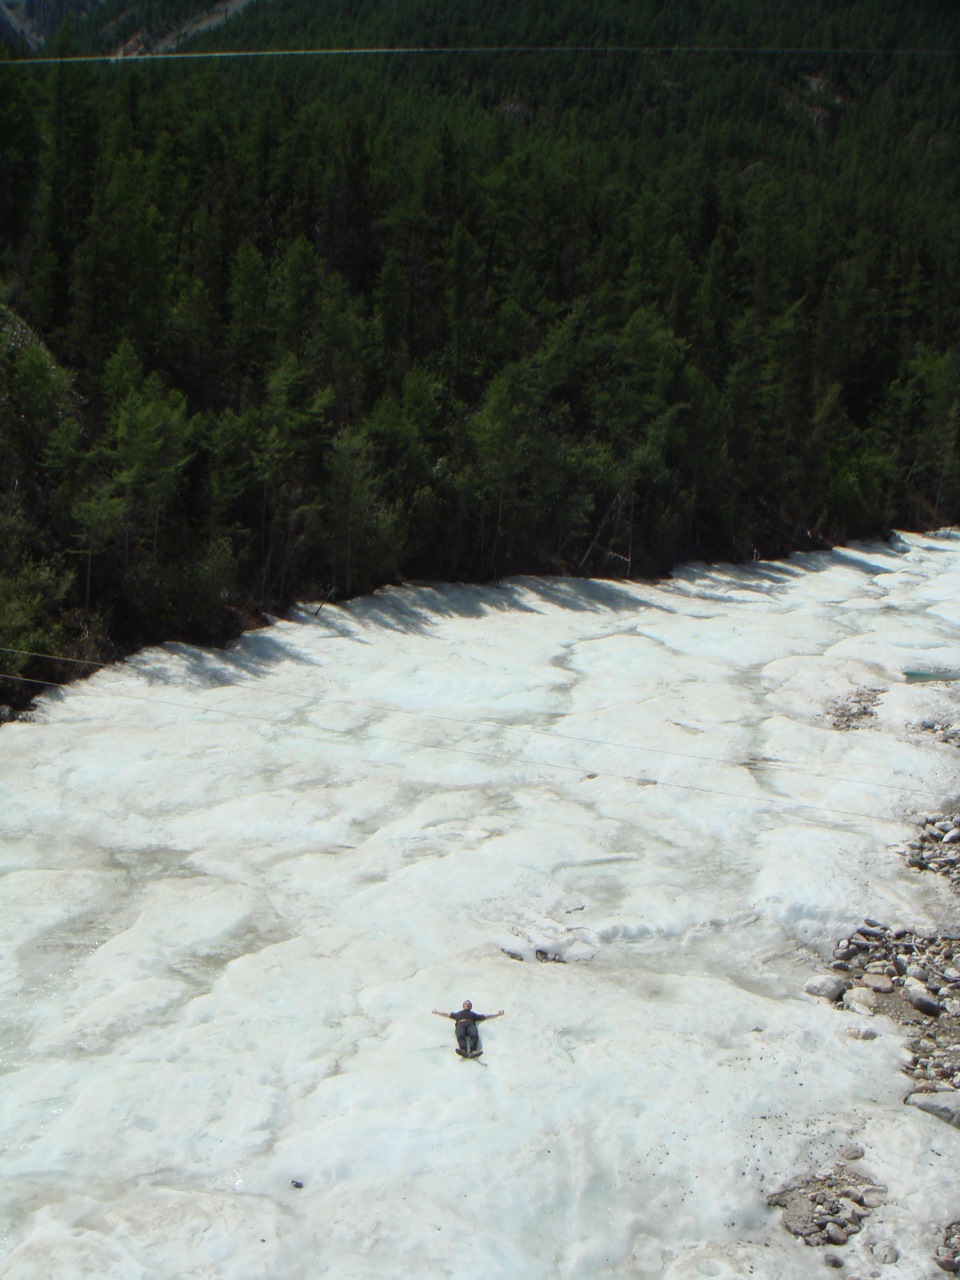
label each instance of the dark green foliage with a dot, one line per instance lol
(336, 319)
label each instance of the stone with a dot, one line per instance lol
(831, 1260)
(877, 982)
(872, 1197)
(835, 1233)
(825, 985)
(886, 1254)
(862, 1033)
(945, 1106)
(860, 1000)
(852, 1151)
(917, 994)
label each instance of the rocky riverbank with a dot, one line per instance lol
(888, 970)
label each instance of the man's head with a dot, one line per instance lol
(468, 1004)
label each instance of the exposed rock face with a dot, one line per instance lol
(46, 15)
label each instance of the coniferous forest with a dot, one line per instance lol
(606, 287)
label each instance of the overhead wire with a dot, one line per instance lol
(333, 733)
(380, 51)
(766, 762)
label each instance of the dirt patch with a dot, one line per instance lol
(827, 1208)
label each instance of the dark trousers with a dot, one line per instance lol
(468, 1038)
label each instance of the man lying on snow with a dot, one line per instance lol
(468, 1038)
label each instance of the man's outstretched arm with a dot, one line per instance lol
(441, 1014)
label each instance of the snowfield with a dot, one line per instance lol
(638, 817)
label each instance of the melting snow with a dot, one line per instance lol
(237, 882)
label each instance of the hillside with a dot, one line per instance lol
(334, 320)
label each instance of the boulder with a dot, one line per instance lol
(945, 1106)
(825, 985)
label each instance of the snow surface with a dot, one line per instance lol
(237, 882)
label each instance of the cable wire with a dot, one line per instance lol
(334, 734)
(381, 51)
(767, 762)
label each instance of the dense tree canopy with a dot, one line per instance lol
(300, 325)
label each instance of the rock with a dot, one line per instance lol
(835, 1233)
(946, 1261)
(945, 1106)
(825, 985)
(845, 952)
(917, 994)
(860, 1000)
(862, 1033)
(831, 1260)
(886, 1254)
(872, 1197)
(877, 982)
(852, 1151)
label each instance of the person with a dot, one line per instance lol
(468, 1038)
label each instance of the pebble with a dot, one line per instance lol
(862, 1033)
(822, 1209)
(886, 1254)
(892, 970)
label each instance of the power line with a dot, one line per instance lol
(51, 657)
(766, 762)
(383, 51)
(338, 734)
